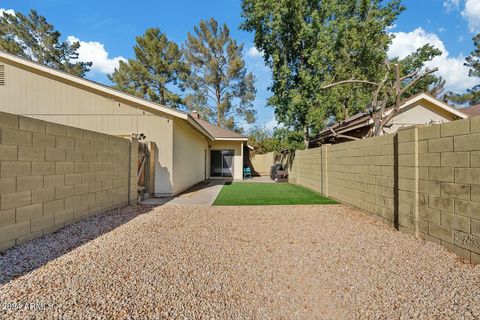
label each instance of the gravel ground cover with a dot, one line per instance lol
(276, 262)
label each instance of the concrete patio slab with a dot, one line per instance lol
(200, 195)
(265, 179)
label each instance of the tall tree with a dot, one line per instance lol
(261, 140)
(157, 65)
(472, 96)
(32, 37)
(308, 43)
(415, 62)
(387, 94)
(221, 88)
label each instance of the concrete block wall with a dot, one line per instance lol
(262, 162)
(423, 180)
(306, 169)
(52, 175)
(360, 173)
(449, 186)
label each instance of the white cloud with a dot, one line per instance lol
(405, 43)
(451, 4)
(442, 29)
(9, 11)
(93, 51)
(450, 68)
(391, 27)
(254, 53)
(272, 124)
(471, 13)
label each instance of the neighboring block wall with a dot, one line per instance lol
(262, 162)
(449, 186)
(52, 175)
(423, 180)
(359, 173)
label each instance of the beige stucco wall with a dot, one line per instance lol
(237, 146)
(33, 95)
(52, 175)
(262, 162)
(424, 112)
(189, 150)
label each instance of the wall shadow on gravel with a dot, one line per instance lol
(33, 254)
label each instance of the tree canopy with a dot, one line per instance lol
(32, 37)
(158, 63)
(261, 140)
(472, 96)
(264, 141)
(416, 62)
(220, 87)
(308, 43)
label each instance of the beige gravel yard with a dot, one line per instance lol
(307, 262)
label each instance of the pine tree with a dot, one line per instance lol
(220, 86)
(157, 67)
(32, 37)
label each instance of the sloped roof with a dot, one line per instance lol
(211, 131)
(364, 118)
(472, 111)
(217, 132)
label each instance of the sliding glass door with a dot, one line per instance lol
(221, 163)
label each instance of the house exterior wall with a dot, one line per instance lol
(34, 95)
(52, 175)
(423, 113)
(237, 146)
(189, 149)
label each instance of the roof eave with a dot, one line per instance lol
(231, 139)
(435, 101)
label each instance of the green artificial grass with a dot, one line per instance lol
(251, 193)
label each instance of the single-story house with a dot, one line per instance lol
(421, 109)
(187, 149)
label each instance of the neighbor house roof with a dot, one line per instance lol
(217, 132)
(119, 96)
(364, 119)
(472, 111)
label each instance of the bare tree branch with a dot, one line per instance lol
(408, 76)
(380, 86)
(348, 81)
(414, 81)
(346, 137)
(398, 87)
(389, 90)
(337, 135)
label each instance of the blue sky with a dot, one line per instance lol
(107, 31)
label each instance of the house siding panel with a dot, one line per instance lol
(34, 95)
